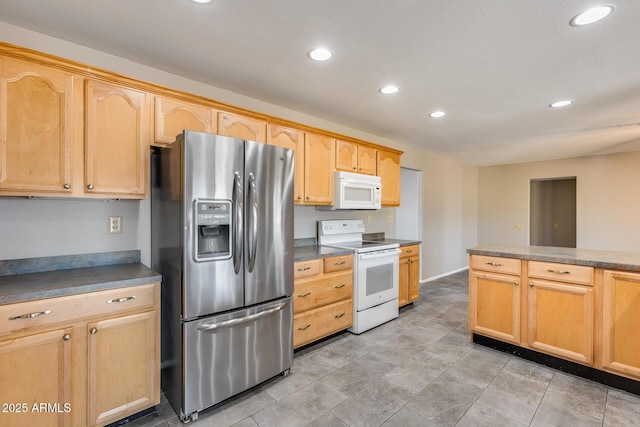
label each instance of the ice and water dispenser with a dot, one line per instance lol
(213, 230)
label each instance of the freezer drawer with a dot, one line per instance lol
(228, 354)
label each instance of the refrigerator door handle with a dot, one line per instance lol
(253, 234)
(213, 327)
(237, 222)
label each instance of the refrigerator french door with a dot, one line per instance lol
(222, 237)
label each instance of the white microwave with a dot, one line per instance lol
(355, 191)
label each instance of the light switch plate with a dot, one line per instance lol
(115, 225)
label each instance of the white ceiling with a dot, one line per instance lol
(494, 66)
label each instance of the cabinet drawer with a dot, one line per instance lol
(321, 322)
(315, 293)
(407, 251)
(307, 268)
(561, 272)
(338, 263)
(496, 264)
(44, 312)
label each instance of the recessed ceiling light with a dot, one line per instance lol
(437, 114)
(202, 1)
(389, 89)
(562, 103)
(592, 15)
(320, 54)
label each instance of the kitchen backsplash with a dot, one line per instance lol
(378, 221)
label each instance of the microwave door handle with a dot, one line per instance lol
(253, 233)
(236, 201)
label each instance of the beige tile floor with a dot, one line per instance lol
(418, 370)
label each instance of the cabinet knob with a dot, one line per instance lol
(66, 337)
(354, 168)
(299, 197)
(530, 285)
(93, 331)
(307, 197)
(515, 283)
(66, 186)
(90, 186)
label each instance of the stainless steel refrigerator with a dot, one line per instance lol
(222, 238)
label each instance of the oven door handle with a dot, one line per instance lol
(379, 254)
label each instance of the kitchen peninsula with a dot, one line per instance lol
(577, 310)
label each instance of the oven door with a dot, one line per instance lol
(376, 278)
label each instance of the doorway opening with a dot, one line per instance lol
(553, 212)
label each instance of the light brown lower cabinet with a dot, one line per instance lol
(494, 305)
(35, 370)
(560, 320)
(583, 314)
(80, 360)
(409, 280)
(323, 298)
(621, 323)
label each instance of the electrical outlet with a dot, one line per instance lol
(115, 225)
(369, 219)
(391, 219)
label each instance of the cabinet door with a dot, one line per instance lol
(123, 367)
(293, 139)
(621, 323)
(318, 169)
(403, 282)
(560, 320)
(117, 140)
(389, 173)
(414, 278)
(173, 116)
(35, 375)
(494, 305)
(35, 128)
(367, 160)
(241, 127)
(346, 156)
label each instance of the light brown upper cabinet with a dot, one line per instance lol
(319, 165)
(116, 140)
(389, 173)
(36, 135)
(173, 116)
(352, 157)
(293, 139)
(241, 127)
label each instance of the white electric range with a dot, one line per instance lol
(375, 266)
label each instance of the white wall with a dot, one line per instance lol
(38, 227)
(449, 187)
(607, 200)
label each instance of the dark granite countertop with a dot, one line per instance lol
(38, 278)
(588, 257)
(306, 253)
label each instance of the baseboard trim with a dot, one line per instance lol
(440, 276)
(573, 368)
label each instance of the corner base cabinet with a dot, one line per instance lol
(80, 360)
